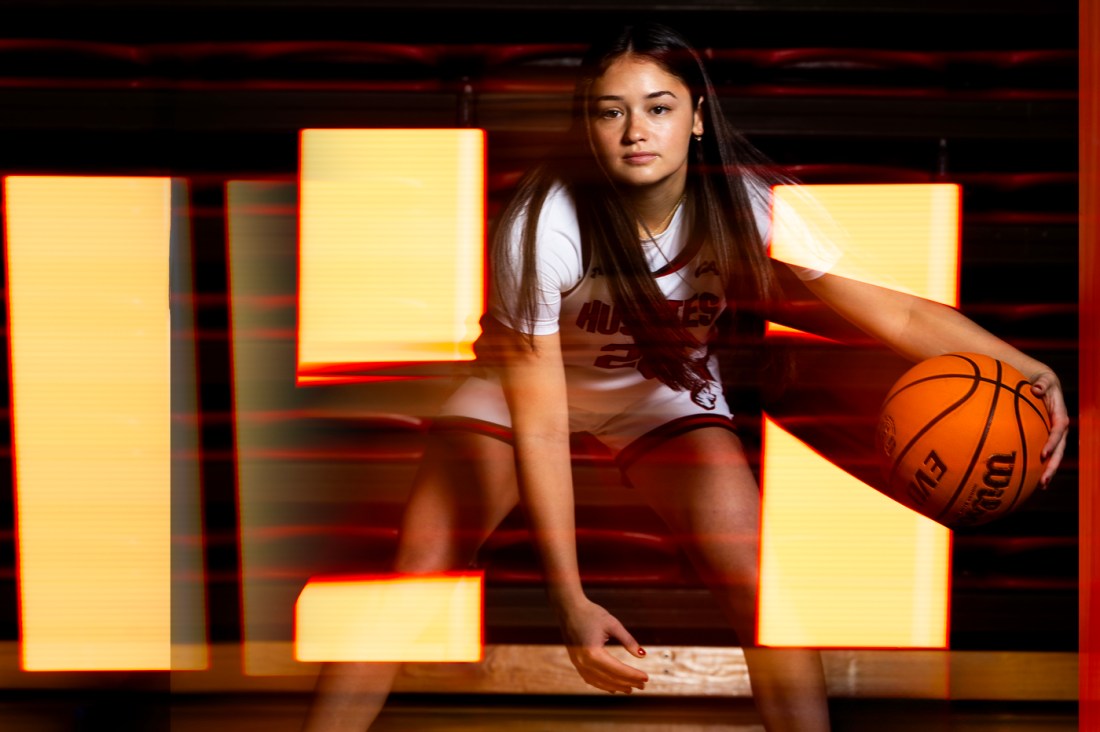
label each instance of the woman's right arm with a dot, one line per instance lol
(534, 384)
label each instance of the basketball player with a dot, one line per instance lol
(611, 270)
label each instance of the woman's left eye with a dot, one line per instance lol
(661, 109)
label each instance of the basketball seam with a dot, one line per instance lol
(981, 379)
(977, 448)
(931, 422)
(1023, 447)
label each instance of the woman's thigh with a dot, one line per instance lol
(701, 485)
(465, 486)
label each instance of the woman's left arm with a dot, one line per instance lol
(919, 329)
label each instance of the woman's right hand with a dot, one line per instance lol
(534, 385)
(587, 628)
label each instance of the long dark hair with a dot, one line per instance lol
(721, 168)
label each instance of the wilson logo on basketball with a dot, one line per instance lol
(995, 479)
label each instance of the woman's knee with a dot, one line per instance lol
(428, 557)
(463, 490)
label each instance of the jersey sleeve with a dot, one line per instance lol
(797, 230)
(558, 266)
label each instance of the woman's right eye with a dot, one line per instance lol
(609, 113)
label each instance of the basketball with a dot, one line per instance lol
(959, 438)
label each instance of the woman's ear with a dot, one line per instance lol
(697, 126)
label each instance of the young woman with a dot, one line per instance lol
(612, 268)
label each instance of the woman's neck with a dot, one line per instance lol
(656, 210)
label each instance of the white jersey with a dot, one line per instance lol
(609, 391)
(599, 354)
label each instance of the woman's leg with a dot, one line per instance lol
(464, 488)
(701, 485)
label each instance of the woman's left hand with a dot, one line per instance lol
(587, 628)
(919, 328)
(1048, 387)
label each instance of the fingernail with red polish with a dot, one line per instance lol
(641, 651)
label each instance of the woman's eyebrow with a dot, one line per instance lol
(651, 95)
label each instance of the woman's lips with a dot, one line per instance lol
(639, 158)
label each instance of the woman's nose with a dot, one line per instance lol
(634, 131)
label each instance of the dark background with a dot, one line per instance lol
(148, 88)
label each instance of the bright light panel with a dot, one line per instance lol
(901, 236)
(426, 618)
(88, 306)
(841, 564)
(391, 246)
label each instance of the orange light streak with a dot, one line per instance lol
(841, 564)
(391, 263)
(90, 359)
(278, 474)
(902, 236)
(434, 618)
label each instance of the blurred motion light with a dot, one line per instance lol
(841, 564)
(88, 284)
(391, 259)
(391, 618)
(901, 236)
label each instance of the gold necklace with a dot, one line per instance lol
(660, 228)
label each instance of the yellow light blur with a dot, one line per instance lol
(427, 618)
(901, 236)
(841, 564)
(189, 632)
(391, 246)
(88, 291)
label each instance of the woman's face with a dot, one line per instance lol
(641, 120)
